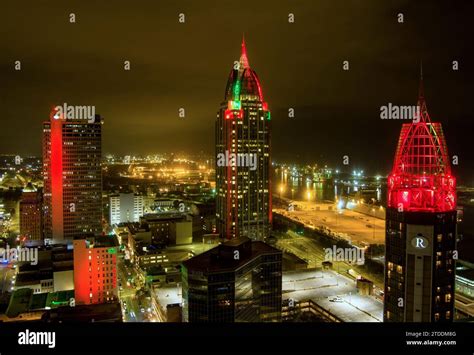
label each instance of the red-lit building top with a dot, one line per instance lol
(421, 178)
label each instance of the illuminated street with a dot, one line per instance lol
(310, 250)
(134, 306)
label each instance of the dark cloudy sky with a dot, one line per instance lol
(186, 65)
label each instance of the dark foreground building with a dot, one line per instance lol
(420, 226)
(238, 281)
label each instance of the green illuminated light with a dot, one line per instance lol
(237, 90)
(112, 251)
(59, 303)
(268, 115)
(235, 105)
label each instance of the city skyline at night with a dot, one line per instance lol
(154, 187)
(306, 75)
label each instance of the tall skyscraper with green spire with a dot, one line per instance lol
(243, 156)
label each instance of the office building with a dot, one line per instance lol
(95, 270)
(420, 226)
(243, 162)
(72, 177)
(125, 207)
(31, 214)
(238, 281)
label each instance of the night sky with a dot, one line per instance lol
(176, 65)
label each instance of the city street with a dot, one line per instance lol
(134, 307)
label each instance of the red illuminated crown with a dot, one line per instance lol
(421, 177)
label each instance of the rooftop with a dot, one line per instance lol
(221, 258)
(29, 278)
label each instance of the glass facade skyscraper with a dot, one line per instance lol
(243, 128)
(238, 281)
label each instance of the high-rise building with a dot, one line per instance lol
(243, 164)
(95, 270)
(72, 177)
(420, 225)
(31, 214)
(238, 281)
(125, 207)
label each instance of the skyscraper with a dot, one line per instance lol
(31, 219)
(243, 148)
(238, 281)
(420, 225)
(72, 176)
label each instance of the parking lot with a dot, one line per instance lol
(334, 292)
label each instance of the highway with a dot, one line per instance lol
(310, 250)
(355, 227)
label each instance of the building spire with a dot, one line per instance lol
(244, 62)
(421, 90)
(421, 98)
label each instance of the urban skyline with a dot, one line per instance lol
(174, 184)
(147, 98)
